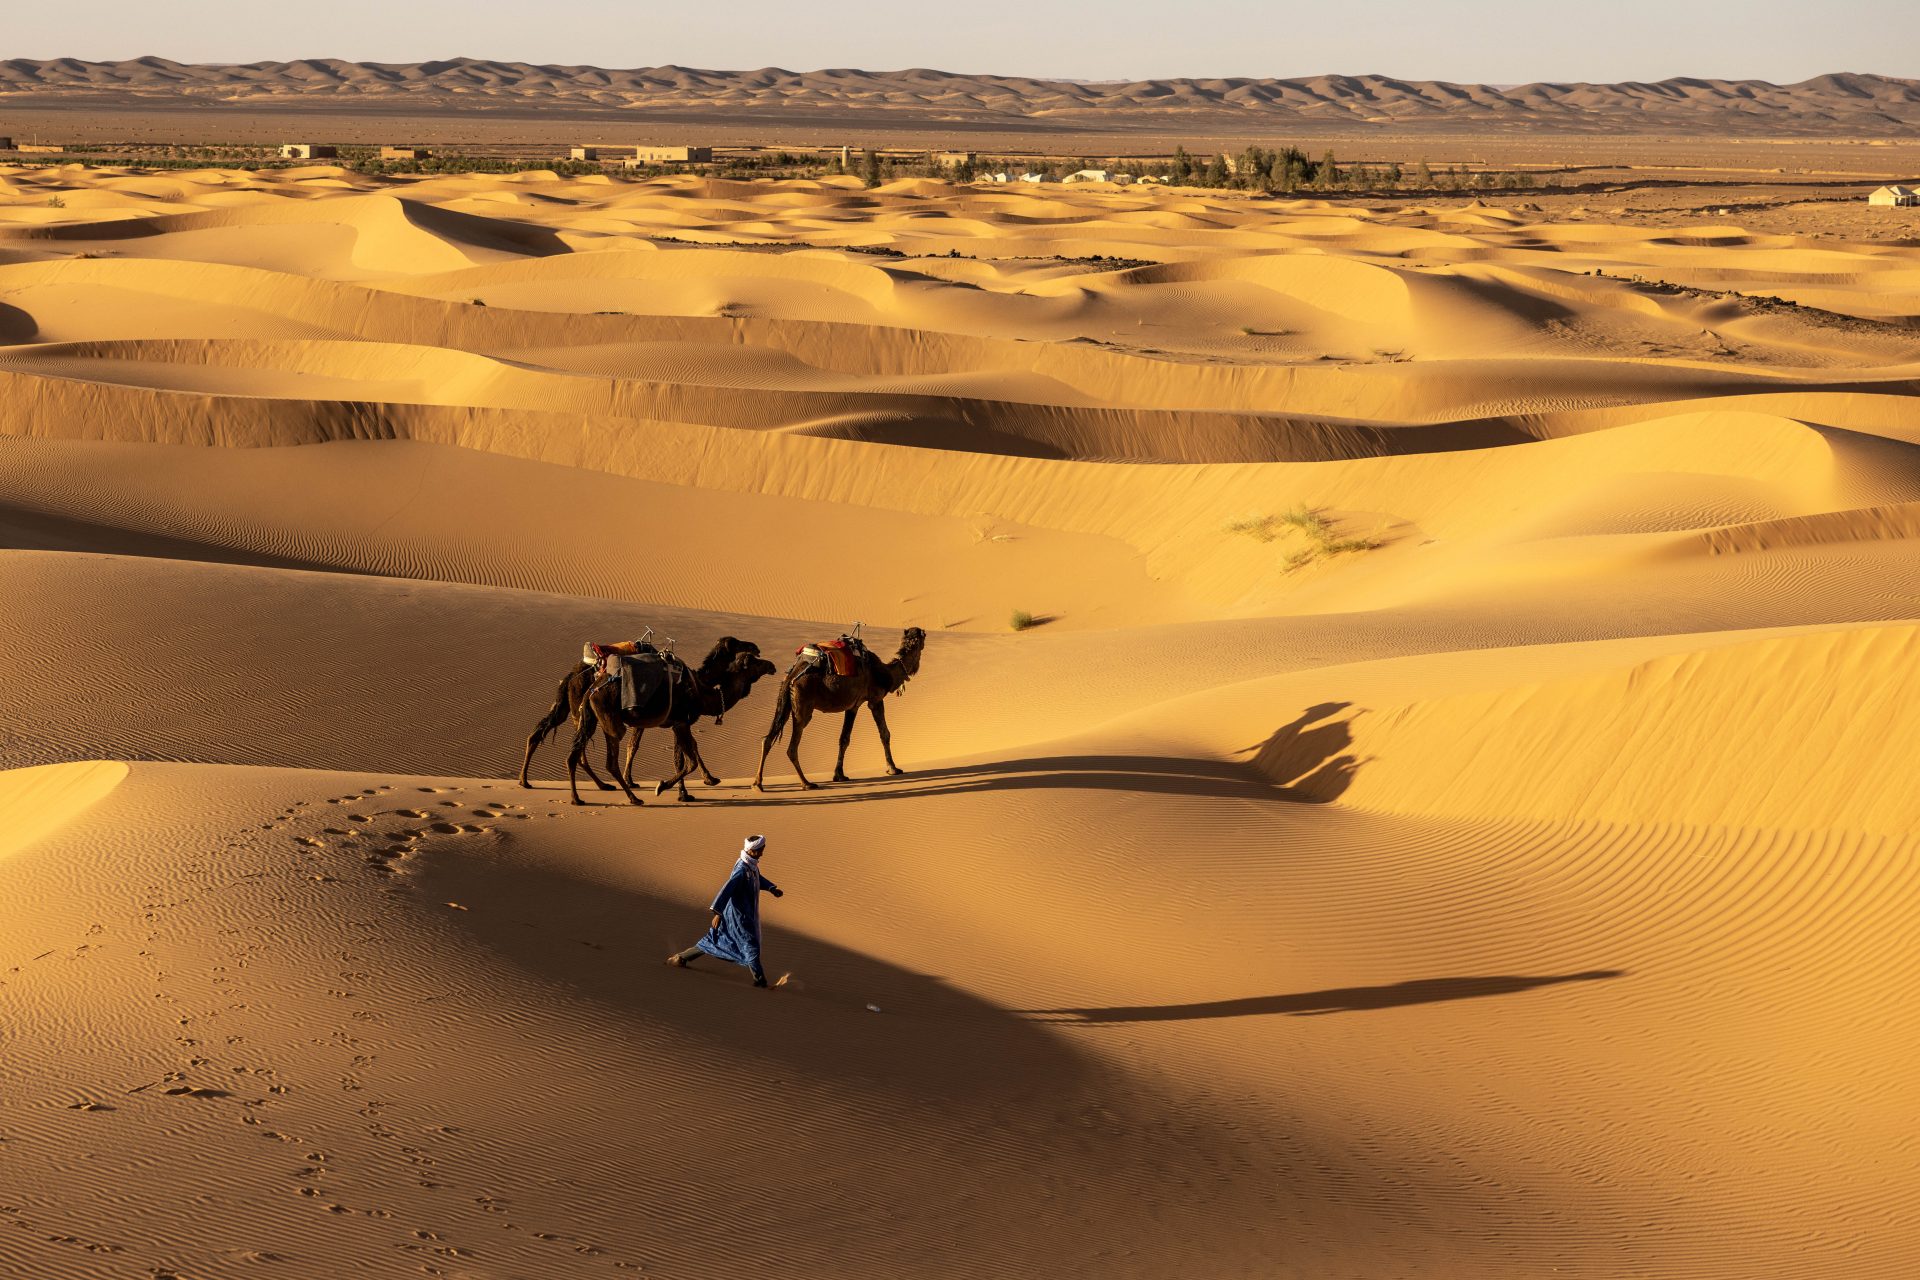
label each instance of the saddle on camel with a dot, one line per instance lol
(840, 657)
(636, 665)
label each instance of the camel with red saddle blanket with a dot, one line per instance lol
(843, 676)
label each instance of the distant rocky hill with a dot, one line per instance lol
(1841, 104)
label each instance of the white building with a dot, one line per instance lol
(1895, 195)
(1035, 177)
(1089, 175)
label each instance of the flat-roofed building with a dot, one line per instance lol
(405, 153)
(672, 155)
(952, 159)
(307, 151)
(584, 153)
(41, 148)
(6, 144)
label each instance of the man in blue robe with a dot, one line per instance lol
(735, 934)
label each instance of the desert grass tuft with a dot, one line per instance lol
(1322, 541)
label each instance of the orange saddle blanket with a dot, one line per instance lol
(845, 661)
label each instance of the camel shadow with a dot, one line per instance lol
(1310, 759)
(1158, 775)
(1309, 1004)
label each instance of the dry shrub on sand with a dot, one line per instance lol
(1322, 542)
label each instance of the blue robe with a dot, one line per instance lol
(737, 936)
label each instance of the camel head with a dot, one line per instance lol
(749, 667)
(721, 657)
(912, 641)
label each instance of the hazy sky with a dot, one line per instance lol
(1493, 41)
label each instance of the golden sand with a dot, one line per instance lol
(1454, 817)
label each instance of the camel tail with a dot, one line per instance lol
(782, 712)
(556, 716)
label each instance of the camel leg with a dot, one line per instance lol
(593, 777)
(785, 704)
(879, 708)
(846, 736)
(685, 753)
(575, 754)
(760, 778)
(613, 767)
(556, 716)
(526, 761)
(699, 760)
(801, 714)
(633, 753)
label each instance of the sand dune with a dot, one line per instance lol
(1451, 817)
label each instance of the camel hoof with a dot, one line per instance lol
(525, 785)
(896, 772)
(686, 795)
(659, 788)
(841, 777)
(811, 786)
(636, 800)
(608, 786)
(712, 782)
(578, 803)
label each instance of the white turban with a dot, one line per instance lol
(754, 845)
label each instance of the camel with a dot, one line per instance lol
(807, 690)
(721, 687)
(680, 701)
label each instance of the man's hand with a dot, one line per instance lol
(716, 922)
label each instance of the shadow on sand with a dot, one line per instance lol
(1306, 1004)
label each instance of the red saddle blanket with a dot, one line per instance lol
(844, 659)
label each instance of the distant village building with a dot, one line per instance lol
(6, 144)
(1895, 196)
(672, 155)
(1089, 175)
(951, 159)
(307, 151)
(41, 148)
(1036, 177)
(405, 153)
(1001, 176)
(584, 153)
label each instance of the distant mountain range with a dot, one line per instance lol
(1841, 104)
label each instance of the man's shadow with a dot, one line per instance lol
(1307, 1004)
